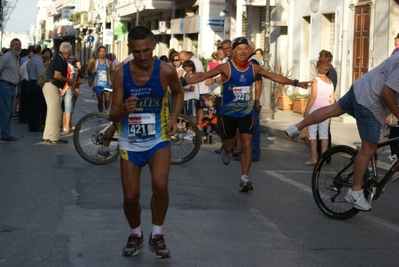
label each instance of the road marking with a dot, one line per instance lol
(367, 216)
(87, 100)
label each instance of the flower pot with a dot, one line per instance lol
(299, 105)
(284, 102)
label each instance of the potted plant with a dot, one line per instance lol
(279, 92)
(299, 102)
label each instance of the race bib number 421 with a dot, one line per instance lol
(141, 127)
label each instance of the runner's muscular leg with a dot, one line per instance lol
(100, 102)
(131, 192)
(107, 96)
(246, 155)
(160, 166)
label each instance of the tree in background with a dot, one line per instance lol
(6, 9)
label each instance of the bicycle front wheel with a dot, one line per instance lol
(89, 136)
(186, 142)
(331, 180)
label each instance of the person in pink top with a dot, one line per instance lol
(396, 44)
(213, 63)
(321, 95)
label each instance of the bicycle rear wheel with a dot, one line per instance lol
(89, 136)
(184, 147)
(331, 180)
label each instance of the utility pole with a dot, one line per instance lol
(266, 111)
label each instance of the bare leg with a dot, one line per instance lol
(320, 115)
(238, 142)
(324, 145)
(131, 192)
(313, 150)
(100, 102)
(361, 162)
(246, 149)
(66, 121)
(107, 96)
(160, 166)
(228, 144)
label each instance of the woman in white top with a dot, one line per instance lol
(176, 62)
(191, 97)
(321, 94)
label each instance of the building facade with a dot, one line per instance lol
(359, 33)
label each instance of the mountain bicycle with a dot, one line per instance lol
(93, 131)
(333, 176)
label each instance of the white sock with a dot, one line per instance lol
(156, 230)
(244, 178)
(105, 148)
(137, 231)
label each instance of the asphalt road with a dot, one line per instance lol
(58, 210)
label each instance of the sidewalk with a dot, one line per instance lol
(342, 133)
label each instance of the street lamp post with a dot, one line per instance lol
(267, 111)
(137, 3)
(114, 13)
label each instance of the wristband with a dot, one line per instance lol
(183, 81)
(296, 82)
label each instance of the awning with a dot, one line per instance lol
(44, 42)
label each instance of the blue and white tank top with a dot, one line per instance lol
(146, 126)
(102, 75)
(237, 92)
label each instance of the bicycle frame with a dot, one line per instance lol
(394, 166)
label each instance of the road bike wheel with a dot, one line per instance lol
(88, 138)
(331, 180)
(184, 149)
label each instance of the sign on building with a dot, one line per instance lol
(108, 36)
(66, 14)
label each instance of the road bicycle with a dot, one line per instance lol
(333, 176)
(92, 131)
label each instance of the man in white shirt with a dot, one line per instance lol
(115, 62)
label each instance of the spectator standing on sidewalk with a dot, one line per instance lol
(23, 91)
(203, 89)
(138, 85)
(238, 102)
(9, 78)
(369, 100)
(56, 78)
(258, 88)
(332, 75)
(321, 95)
(35, 68)
(191, 97)
(114, 61)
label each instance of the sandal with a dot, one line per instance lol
(309, 163)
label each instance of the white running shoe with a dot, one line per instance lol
(226, 157)
(357, 199)
(189, 135)
(292, 131)
(245, 184)
(109, 90)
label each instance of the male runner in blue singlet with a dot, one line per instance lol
(102, 70)
(237, 109)
(140, 104)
